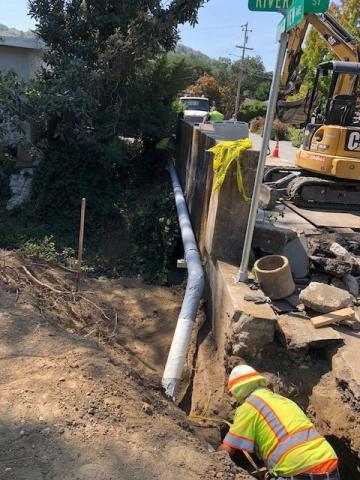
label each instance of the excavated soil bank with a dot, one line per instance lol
(80, 381)
(306, 378)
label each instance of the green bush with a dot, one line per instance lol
(248, 112)
(279, 130)
(257, 125)
(45, 249)
(155, 236)
(295, 135)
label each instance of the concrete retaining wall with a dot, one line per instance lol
(241, 328)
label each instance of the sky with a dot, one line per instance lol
(13, 13)
(217, 33)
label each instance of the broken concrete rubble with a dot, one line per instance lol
(250, 335)
(339, 249)
(351, 284)
(325, 298)
(342, 253)
(297, 333)
(332, 266)
(271, 239)
(298, 257)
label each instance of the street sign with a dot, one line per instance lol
(316, 6)
(281, 28)
(310, 6)
(295, 14)
(269, 5)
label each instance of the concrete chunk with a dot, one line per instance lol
(297, 333)
(283, 241)
(332, 266)
(325, 298)
(270, 238)
(251, 334)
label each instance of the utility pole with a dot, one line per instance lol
(243, 47)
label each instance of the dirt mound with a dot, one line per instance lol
(72, 410)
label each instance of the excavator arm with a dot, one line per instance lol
(339, 40)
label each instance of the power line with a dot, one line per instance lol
(243, 47)
(212, 27)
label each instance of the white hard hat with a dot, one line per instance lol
(243, 380)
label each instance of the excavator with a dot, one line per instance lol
(327, 165)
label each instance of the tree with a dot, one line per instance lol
(316, 48)
(206, 85)
(349, 16)
(106, 78)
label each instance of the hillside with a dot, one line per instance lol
(6, 31)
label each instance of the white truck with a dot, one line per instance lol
(195, 108)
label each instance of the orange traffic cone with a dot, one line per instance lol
(275, 153)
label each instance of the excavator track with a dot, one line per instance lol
(323, 193)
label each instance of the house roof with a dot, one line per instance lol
(22, 42)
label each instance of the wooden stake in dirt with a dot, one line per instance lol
(81, 243)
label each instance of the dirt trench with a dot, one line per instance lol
(80, 384)
(80, 393)
(306, 379)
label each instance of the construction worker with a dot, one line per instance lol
(215, 115)
(277, 430)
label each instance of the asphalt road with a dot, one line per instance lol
(286, 150)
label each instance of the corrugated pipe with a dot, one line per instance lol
(194, 288)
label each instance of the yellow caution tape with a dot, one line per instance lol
(224, 154)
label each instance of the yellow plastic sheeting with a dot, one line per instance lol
(224, 155)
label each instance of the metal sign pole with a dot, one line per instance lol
(242, 275)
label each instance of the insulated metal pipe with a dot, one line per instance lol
(194, 289)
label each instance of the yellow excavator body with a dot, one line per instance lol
(334, 151)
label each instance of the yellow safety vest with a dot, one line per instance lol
(216, 116)
(282, 434)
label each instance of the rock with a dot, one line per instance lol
(325, 298)
(336, 282)
(254, 334)
(341, 252)
(147, 409)
(320, 278)
(297, 254)
(297, 333)
(46, 431)
(332, 266)
(270, 238)
(353, 323)
(233, 361)
(351, 285)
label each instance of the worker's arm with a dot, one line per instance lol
(241, 435)
(225, 448)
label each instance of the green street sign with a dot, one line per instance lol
(281, 28)
(269, 5)
(295, 14)
(316, 6)
(310, 6)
